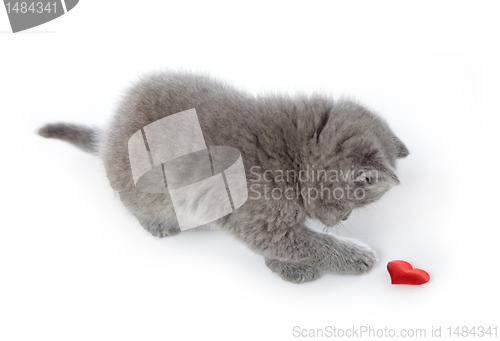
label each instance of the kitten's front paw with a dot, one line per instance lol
(354, 257)
(293, 272)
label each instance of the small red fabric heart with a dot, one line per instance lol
(403, 273)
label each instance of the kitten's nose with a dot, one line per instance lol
(347, 215)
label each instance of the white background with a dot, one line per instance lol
(75, 265)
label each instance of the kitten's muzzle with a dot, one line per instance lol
(347, 215)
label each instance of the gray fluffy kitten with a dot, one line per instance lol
(310, 148)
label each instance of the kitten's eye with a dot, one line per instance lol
(364, 179)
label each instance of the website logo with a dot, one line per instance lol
(27, 14)
(204, 183)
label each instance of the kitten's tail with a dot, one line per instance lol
(83, 137)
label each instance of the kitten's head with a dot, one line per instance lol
(351, 160)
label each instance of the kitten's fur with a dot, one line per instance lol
(272, 133)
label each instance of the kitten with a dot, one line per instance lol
(304, 157)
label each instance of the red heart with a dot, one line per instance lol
(403, 273)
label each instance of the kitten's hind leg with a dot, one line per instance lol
(293, 272)
(160, 229)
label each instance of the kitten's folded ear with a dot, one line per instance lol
(400, 147)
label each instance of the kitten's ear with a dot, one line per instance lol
(400, 147)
